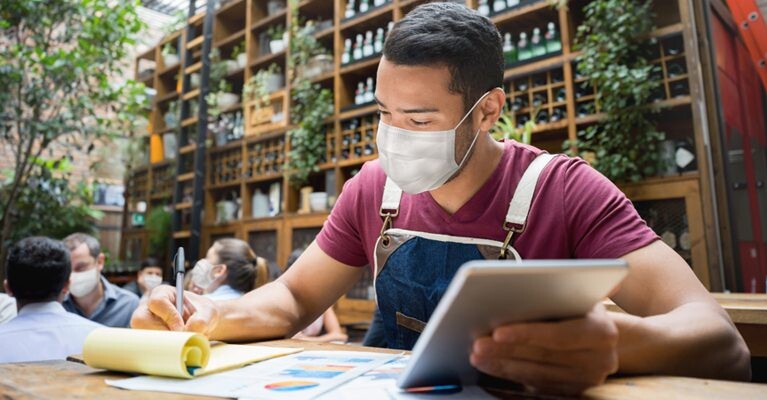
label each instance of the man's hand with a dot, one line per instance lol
(200, 314)
(565, 357)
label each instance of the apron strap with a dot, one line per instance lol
(519, 208)
(391, 198)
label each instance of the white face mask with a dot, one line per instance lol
(83, 283)
(151, 282)
(420, 161)
(202, 274)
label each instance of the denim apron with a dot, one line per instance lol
(413, 269)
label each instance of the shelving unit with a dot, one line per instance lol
(253, 165)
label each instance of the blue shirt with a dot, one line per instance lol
(7, 308)
(114, 310)
(43, 331)
(224, 292)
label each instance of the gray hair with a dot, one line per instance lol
(74, 241)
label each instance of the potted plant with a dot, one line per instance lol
(225, 97)
(169, 55)
(506, 128)
(276, 38)
(239, 55)
(261, 85)
(171, 116)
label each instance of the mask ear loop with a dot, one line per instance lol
(476, 134)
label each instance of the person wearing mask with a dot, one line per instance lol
(37, 275)
(230, 269)
(439, 184)
(326, 328)
(90, 294)
(149, 276)
(7, 307)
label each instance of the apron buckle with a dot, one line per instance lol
(387, 224)
(511, 229)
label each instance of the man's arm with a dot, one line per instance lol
(278, 309)
(675, 326)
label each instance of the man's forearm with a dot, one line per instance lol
(693, 340)
(269, 312)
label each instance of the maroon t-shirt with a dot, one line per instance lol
(576, 212)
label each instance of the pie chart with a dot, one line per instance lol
(291, 386)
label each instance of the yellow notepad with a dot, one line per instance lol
(173, 354)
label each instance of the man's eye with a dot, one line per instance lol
(419, 123)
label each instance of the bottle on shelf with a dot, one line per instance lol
(675, 69)
(522, 119)
(512, 3)
(346, 57)
(483, 9)
(349, 13)
(364, 6)
(561, 95)
(679, 88)
(369, 91)
(519, 103)
(585, 109)
(558, 114)
(367, 47)
(379, 41)
(542, 117)
(369, 150)
(539, 99)
(553, 41)
(358, 96)
(538, 47)
(509, 51)
(522, 85)
(378, 3)
(523, 48)
(539, 80)
(499, 5)
(389, 27)
(357, 52)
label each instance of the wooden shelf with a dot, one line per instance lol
(168, 96)
(229, 7)
(367, 16)
(266, 59)
(270, 20)
(185, 177)
(227, 185)
(188, 122)
(183, 206)
(230, 39)
(324, 33)
(360, 65)
(371, 109)
(519, 12)
(193, 68)
(229, 146)
(190, 148)
(191, 94)
(195, 43)
(196, 19)
(182, 234)
(542, 65)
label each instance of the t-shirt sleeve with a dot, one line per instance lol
(340, 237)
(602, 221)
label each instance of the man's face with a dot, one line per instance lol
(417, 98)
(82, 260)
(151, 271)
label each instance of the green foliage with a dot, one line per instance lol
(238, 49)
(48, 205)
(158, 226)
(177, 23)
(255, 89)
(60, 61)
(216, 82)
(312, 104)
(276, 32)
(506, 128)
(611, 39)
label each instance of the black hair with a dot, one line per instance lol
(37, 269)
(149, 262)
(451, 35)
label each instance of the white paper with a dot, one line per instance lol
(296, 377)
(381, 384)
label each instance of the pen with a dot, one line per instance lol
(180, 281)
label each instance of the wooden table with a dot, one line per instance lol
(73, 380)
(749, 313)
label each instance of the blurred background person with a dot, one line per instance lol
(7, 307)
(149, 276)
(90, 294)
(37, 271)
(229, 270)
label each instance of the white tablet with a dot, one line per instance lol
(486, 294)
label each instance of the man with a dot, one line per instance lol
(90, 294)
(37, 271)
(149, 276)
(438, 91)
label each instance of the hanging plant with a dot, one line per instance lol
(312, 104)
(624, 145)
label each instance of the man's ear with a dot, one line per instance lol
(64, 291)
(491, 109)
(100, 261)
(7, 287)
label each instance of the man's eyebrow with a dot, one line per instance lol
(411, 110)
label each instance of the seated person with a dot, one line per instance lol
(37, 271)
(229, 269)
(7, 308)
(90, 294)
(149, 276)
(326, 328)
